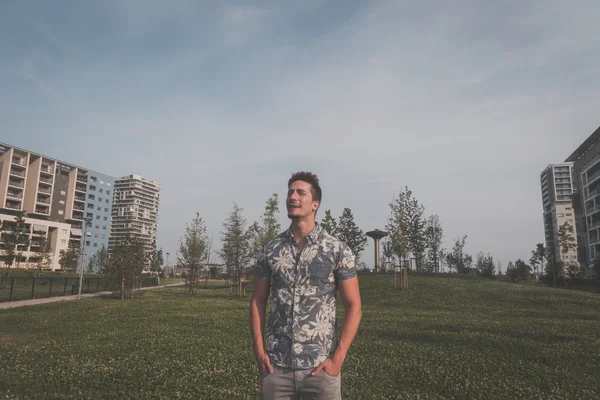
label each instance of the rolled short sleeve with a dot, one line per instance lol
(346, 266)
(262, 269)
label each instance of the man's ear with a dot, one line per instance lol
(316, 205)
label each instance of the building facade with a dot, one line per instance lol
(52, 191)
(557, 191)
(586, 200)
(135, 211)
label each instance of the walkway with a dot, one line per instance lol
(32, 302)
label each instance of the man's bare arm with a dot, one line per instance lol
(350, 296)
(258, 310)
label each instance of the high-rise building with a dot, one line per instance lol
(557, 191)
(55, 196)
(135, 210)
(586, 200)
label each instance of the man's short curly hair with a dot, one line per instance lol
(309, 178)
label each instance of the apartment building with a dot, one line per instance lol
(135, 210)
(586, 200)
(557, 191)
(55, 194)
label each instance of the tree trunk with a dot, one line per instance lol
(132, 288)
(122, 288)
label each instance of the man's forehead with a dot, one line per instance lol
(300, 185)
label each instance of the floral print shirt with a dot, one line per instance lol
(301, 330)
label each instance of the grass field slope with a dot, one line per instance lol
(445, 338)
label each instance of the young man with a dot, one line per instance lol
(303, 268)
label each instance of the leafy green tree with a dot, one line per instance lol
(235, 251)
(15, 237)
(389, 256)
(566, 238)
(69, 259)
(101, 261)
(156, 259)
(329, 224)
(554, 272)
(128, 261)
(45, 253)
(271, 225)
(522, 269)
(434, 234)
(417, 236)
(192, 250)
(350, 233)
(484, 264)
(538, 257)
(458, 260)
(397, 226)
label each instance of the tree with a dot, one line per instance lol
(537, 258)
(417, 236)
(192, 250)
(350, 233)
(434, 235)
(15, 237)
(523, 271)
(128, 261)
(99, 262)
(329, 224)
(45, 253)
(484, 265)
(235, 251)
(499, 267)
(458, 259)
(156, 259)
(554, 268)
(69, 259)
(397, 225)
(271, 225)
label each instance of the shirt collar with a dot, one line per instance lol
(313, 236)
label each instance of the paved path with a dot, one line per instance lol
(32, 302)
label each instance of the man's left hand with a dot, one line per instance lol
(330, 367)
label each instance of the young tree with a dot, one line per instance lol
(15, 237)
(397, 225)
(69, 259)
(417, 235)
(156, 259)
(537, 258)
(458, 259)
(566, 238)
(484, 265)
(235, 251)
(350, 233)
(192, 250)
(45, 253)
(128, 261)
(99, 262)
(523, 270)
(499, 267)
(435, 235)
(554, 268)
(271, 225)
(329, 224)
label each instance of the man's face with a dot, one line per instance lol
(299, 201)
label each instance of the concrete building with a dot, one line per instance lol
(49, 190)
(557, 191)
(586, 200)
(135, 210)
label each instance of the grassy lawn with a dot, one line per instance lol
(446, 337)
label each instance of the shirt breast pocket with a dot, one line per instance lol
(318, 272)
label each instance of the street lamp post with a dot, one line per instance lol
(87, 221)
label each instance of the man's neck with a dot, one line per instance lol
(301, 228)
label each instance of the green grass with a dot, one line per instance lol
(444, 338)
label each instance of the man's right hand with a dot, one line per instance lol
(264, 365)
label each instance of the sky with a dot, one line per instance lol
(463, 102)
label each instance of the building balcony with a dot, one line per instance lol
(45, 181)
(42, 200)
(80, 198)
(46, 170)
(80, 188)
(14, 195)
(13, 205)
(592, 210)
(78, 208)
(15, 172)
(44, 190)
(41, 209)
(17, 184)
(18, 162)
(82, 179)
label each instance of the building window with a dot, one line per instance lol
(63, 193)
(104, 228)
(106, 218)
(92, 187)
(97, 226)
(108, 192)
(93, 179)
(99, 208)
(561, 215)
(63, 241)
(101, 190)
(106, 210)
(569, 215)
(95, 244)
(102, 182)
(108, 184)
(91, 197)
(106, 201)
(97, 217)
(61, 202)
(64, 231)
(90, 206)
(87, 242)
(60, 212)
(100, 199)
